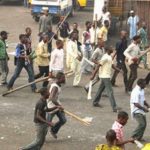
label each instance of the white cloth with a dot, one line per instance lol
(137, 96)
(106, 66)
(57, 60)
(94, 35)
(50, 104)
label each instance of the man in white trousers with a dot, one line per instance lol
(75, 57)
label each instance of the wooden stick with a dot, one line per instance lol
(59, 27)
(28, 84)
(77, 118)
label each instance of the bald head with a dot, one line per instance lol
(123, 34)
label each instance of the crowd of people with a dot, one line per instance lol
(91, 56)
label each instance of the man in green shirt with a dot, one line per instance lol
(3, 58)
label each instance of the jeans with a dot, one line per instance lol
(62, 120)
(139, 131)
(105, 83)
(19, 66)
(133, 75)
(44, 71)
(41, 132)
(124, 69)
(4, 70)
(87, 53)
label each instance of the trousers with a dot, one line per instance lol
(60, 123)
(132, 76)
(121, 66)
(4, 70)
(105, 84)
(41, 132)
(139, 131)
(43, 71)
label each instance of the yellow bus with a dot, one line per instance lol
(84, 3)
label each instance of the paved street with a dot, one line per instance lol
(17, 109)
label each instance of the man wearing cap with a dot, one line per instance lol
(3, 58)
(133, 21)
(45, 21)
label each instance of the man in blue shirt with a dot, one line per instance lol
(23, 61)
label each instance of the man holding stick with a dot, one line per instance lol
(40, 121)
(104, 68)
(54, 102)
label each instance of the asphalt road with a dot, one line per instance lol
(17, 109)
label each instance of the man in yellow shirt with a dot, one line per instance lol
(104, 67)
(42, 59)
(103, 32)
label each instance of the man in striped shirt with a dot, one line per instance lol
(118, 128)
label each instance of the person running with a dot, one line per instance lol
(121, 46)
(53, 102)
(104, 68)
(42, 59)
(57, 59)
(139, 108)
(3, 58)
(41, 124)
(118, 128)
(23, 61)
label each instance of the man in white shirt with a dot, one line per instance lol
(57, 59)
(94, 30)
(74, 57)
(104, 68)
(132, 53)
(138, 108)
(133, 21)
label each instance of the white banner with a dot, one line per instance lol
(98, 5)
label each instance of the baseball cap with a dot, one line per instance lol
(131, 11)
